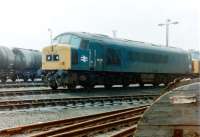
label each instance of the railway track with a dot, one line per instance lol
(23, 84)
(30, 92)
(77, 102)
(80, 126)
(127, 132)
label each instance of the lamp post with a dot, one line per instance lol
(50, 33)
(168, 22)
(51, 39)
(114, 33)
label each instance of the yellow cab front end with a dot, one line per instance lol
(56, 57)
(56, 61)
(196, 67)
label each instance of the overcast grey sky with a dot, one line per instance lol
(25, 23)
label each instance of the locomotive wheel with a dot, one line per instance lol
(14, 78)
(141, 84)
(108, 86)
(32, 78)
(53, 85)
(43, 78)
(88, 86)
(71, 86)
(155, 84)
(25, 79)
(125, 85)
(166, 83)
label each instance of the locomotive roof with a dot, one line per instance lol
(124, 42)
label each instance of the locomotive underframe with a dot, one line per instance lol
(88, 79)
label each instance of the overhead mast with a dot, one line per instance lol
(51, 37)
(168, 22)
(114, 33)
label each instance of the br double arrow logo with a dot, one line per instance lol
(84, 58)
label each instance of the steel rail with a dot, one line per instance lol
(127, 132)
(61, 123)
(22, 84)
(88, 131)
(30, 92)
(20, 104)
(93, 122)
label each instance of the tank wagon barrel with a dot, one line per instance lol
(6, 57)
(27, 63)
(27, 59)
(7, 62)
(19, 63)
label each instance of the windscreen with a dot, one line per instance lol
(72, 40)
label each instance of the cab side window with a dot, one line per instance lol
(75, 41)
(113, 56)
(84, 44)
(65, 39)
(56, 40)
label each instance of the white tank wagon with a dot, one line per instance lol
(7, 62)
(27, 59)
(18, 63)
(27, 63)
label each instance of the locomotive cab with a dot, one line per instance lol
(56, 60)
(66, 54)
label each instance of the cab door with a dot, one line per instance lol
(96, 56)
(80, 59)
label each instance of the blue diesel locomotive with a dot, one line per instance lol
(79, 58)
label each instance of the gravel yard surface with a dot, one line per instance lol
(23, 117)
(30, 116)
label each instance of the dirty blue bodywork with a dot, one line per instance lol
(103, 53)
